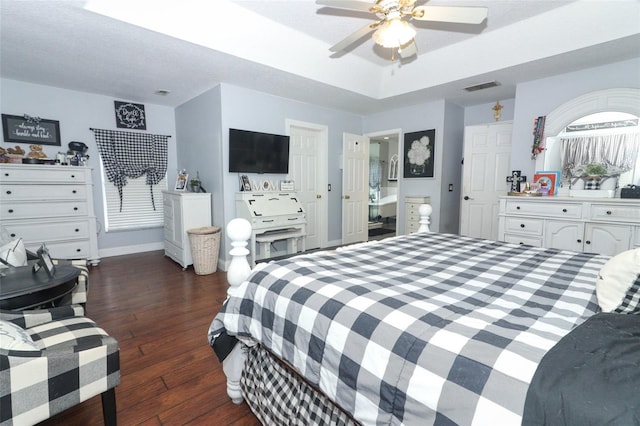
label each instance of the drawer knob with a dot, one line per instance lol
(587, 242)
(10, 210)
(74, 191)
(522, 225)
(6, 174)
(564, 210)
(77, 230)
(78, 250)
(73, 176)
(579, 241)
(609, 212)
(8, 192)
(518, 208)
(13, 235)
(75, 209)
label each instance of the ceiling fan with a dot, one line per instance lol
(393, 30)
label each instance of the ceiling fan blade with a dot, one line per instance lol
(364, 6)
(408, 50)
(354, 37)
(457, 14)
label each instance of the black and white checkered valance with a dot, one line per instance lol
(131, 155)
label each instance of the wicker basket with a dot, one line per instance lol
(205, 246)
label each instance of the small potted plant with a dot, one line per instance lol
(595, 171)
(195, 183)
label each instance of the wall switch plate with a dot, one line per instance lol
(450, 187)
(329, 187)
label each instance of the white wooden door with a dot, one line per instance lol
(355, 188)
(308, 169)
(487, 159)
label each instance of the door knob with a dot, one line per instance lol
(466, 197)
(347, 197)
(318, 196)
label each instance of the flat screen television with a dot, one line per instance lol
(255, 152)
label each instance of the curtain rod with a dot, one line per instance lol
(166, 136)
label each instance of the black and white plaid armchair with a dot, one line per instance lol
(51, 360)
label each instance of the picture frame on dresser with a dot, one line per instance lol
(44, 262)
(181, 182)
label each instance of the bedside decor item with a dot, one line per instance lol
(549, 181)
(195, 184)
(181, 181)
(44, 262)
(419, 154)
(28, 129)
(36, 152)
(130, 115)
(245, 185)
(287, 185)
(515, 179)
(630, 191)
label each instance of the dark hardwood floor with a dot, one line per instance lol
(160, 316)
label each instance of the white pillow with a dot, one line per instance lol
(15, 338)
(13, 253)
(618, 283)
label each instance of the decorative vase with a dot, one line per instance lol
(417, 169)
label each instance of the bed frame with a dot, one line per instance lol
(239, 232)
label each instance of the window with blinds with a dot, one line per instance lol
(137, 208)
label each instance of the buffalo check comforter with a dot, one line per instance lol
(419, 329)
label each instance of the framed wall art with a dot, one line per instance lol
(419, 154)
(27, 129)
(130, 115)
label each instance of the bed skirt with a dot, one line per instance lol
(278, 396)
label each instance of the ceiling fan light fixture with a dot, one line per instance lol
(394, 33)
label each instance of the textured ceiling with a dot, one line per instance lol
(281, 47)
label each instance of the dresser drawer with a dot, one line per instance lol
(521, 225)
(285, 220)
(45, 232)
(411, 227)
(523, 239)
(33, 210)
(80, 249)
(568, 210)
(16, 192)
(615, 213)
(40, 174)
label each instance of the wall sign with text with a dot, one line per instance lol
(27, 129)
(130, 116)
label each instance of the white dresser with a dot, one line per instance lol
(411, 213)
(52, 205)
(183, 211)
(596, 225)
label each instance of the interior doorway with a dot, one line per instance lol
(383, 184)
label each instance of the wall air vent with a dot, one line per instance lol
(482, 86)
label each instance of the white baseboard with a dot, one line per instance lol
(124, 250)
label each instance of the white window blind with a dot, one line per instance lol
(137, 209)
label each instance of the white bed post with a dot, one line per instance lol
(424, 211)
(239, 231)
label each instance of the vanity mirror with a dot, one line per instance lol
(600, 128)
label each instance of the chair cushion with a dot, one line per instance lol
(15, 338)
(67, 335)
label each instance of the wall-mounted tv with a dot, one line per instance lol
(254, 152)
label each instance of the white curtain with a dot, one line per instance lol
(619, 150)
